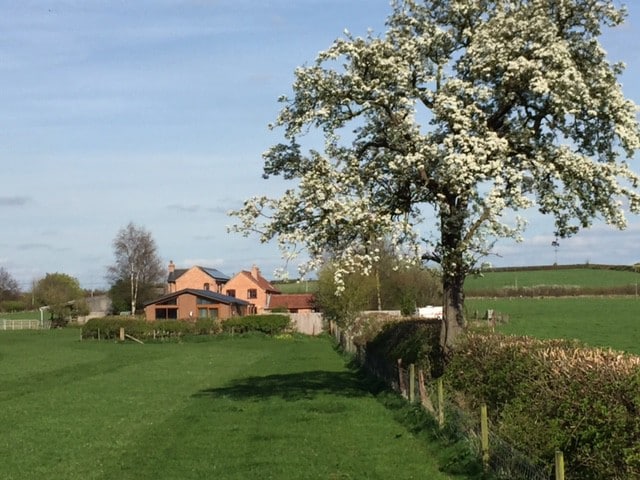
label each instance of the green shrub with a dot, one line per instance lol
(548, 395)
(269, 324)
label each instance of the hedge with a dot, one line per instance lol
(548, 395)
(109, 327)
(269, 324)
(414, 340)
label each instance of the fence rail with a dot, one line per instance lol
(28, 324)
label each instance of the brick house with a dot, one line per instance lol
(252, 287)
(190, 304)
(197, 277)
(293, 302)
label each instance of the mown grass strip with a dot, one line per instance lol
(227, 408)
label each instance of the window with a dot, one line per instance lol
(231, 293)
(166, 313)
(207, 286)
(252, 293)
(207, 313)
(204, 301)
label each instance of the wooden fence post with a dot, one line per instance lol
(440, 403)
(401, 384)
(484, 435)
(424, 396)
(412, 383)
(122, 334)
(559, 465)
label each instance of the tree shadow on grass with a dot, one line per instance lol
(294, 386)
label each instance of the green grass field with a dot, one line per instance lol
(612, 322)
(29, 315)
(227, 408)
(305, 286)
(581, 277)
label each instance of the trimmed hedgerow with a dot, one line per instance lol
(415, 341)
(208, 326)
(109, 327)
(269, 324)
(548, 395)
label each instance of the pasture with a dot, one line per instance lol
(583, 277)
(610, 322)
(228, 408)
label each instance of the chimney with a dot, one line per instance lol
(171, 280)
(255, 272)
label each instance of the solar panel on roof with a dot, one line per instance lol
(216, 273)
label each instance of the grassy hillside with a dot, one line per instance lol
(305, 286)
(597, 321)
(595, 280)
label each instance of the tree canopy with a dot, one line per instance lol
(469, 109)
(9, 288)
(137, 264)
(62, 294)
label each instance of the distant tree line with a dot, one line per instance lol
(134, 278)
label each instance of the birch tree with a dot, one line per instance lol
(473, 110)
(136, 261)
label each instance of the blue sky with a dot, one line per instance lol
(156, 112)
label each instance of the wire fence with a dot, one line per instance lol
(501, 457)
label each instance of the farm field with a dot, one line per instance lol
(305, 286)
(612, 322)
(579, 277)
(227, 408)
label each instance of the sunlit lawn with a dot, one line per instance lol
(229, 408)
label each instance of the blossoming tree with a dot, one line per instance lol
(466, 109)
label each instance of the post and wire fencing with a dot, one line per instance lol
(498, 455)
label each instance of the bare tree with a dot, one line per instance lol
(136, 261)
(9, 288)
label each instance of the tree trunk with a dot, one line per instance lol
(133, 293)
(454, 271)
(378, 295)
(453, 308)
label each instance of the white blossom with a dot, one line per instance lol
(474, 109)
